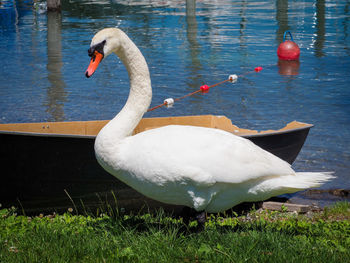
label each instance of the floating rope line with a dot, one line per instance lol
(169, 102)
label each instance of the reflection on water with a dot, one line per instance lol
(187, 44)
(288, 68)
(194, 66)
(282, 19)
(56, 95)
(320, 26)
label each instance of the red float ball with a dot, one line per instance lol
(258, 69)
(288, 50)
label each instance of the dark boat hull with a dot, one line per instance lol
(44, 173)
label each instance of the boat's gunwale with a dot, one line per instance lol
(259, 134)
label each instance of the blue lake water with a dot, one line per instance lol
(188, 44)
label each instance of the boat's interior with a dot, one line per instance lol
(91, 128)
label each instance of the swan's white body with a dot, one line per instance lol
(206, 169)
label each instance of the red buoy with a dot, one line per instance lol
(288, 49)
(258, 69)
(205, 88)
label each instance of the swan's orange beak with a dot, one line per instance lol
(95, 60)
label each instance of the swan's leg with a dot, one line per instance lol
(186, 214)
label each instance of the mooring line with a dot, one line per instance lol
(169, 102)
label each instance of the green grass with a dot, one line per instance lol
(260, 236)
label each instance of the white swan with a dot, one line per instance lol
(206, 169)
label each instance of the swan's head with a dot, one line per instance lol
(103, 44)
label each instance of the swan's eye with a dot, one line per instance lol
(98, 47)
(91, 51)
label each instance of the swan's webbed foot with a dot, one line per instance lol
(201, 217)
(189, 214)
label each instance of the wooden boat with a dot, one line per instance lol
(47, 165)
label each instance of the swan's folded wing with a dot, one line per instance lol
(203, 155)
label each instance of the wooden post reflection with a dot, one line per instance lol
(320, 27)
(282, 19)
(194, 46)
(56, 94)
(243, 48)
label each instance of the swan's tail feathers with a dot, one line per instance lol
(290, 183)
(304, 180)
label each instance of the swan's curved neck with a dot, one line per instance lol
(140, 96)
